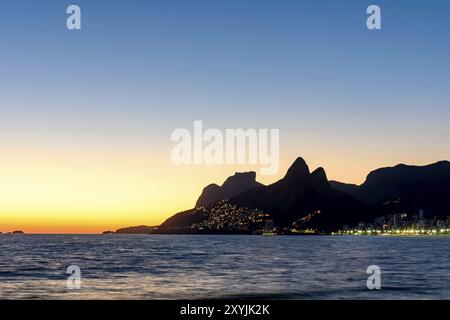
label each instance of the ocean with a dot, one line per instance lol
(223, 267)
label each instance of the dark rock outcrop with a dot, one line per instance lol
(136, 230)
(234, 185)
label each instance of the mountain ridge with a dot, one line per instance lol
(330, 204)
(412, 187)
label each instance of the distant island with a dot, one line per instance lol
(402, 199)
(14, 232)
(133, 230)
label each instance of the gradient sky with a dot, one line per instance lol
(86, 116)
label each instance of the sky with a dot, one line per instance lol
(86, 115)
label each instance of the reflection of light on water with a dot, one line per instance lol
(132, 286)
(190, 267)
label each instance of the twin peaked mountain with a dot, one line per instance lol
(301, 193)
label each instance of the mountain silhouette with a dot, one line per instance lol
(297, 195)
(301, 193)
(234, 185)
(405, 188)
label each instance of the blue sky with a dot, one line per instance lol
(139, 69)
(157, 65)
(191, 56)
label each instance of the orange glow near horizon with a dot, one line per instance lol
(58, 190)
